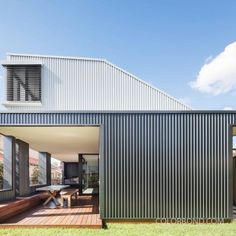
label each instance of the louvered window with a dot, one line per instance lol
(24, 83)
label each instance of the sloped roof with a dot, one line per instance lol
(27, 58)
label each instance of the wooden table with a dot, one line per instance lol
(53, 191)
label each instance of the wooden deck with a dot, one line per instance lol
(85, 214)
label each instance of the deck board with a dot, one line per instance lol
(83, 214)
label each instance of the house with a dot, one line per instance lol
(146, 154)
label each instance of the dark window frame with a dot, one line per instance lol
(12, 169)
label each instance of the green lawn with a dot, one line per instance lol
(227, 229)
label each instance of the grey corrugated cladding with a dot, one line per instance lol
(93, 84)
(157, 165)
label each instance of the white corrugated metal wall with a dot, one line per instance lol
(94, 84)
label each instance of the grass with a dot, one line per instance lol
(132, 229)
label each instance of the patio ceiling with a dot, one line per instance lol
(64, 143)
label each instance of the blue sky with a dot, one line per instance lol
(164, 42)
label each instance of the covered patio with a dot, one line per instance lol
(76, 148)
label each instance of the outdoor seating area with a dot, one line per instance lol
(21, 204)
(83, 214)
(50, 182)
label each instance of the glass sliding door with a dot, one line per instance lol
(90, 174)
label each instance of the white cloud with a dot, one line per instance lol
(1, 77)
(208, 59)
(228, 108)
(218, 75)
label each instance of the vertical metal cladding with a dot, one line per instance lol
(93, 84)
(157, 165)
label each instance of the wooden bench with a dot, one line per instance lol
(68, 194)
(21, 204)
